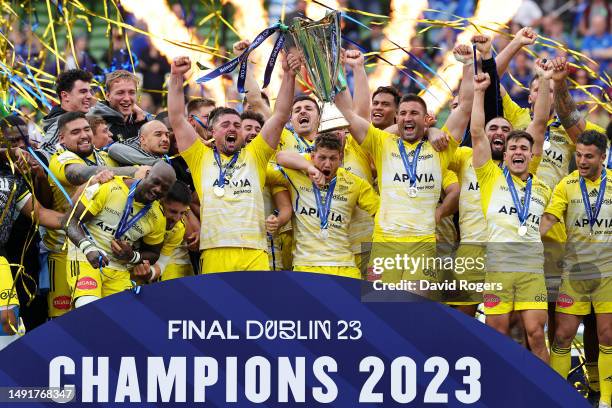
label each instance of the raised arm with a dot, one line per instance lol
(253, 92)
(459, 118)
(361, 94)
(541, 110)
(358, 126)
(565, 106)
(525, 36)
(480, 144)
(184, 133)
(273, 127)
(77, 236)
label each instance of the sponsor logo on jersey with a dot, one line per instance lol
(491, 300)
(87, 283)
(565, 300)
(6, 294)
(62, 302)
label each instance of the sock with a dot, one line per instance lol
(593, 376)
(605, 374)
(83, 300)
(561, 359)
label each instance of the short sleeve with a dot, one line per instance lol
(368, 200)
(94, 202)
(262, 152)
(58, 164)
(449, 178)
(373, 142)
(447, 156)
(174, 239)
(558, 204)
(517, 116)
(194, 157)
(156, 235)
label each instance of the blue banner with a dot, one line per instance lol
(278, 339)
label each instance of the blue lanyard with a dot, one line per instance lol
(324, 206)
(306, 148)
(610, 156)
(410, 166)
(521, 210)
(223, 170)
(126, 223)
(555, 124)
(199, 122)
(297, 192)
(593, 212)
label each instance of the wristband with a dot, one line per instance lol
(135, 258)
(465, 60)
(85, 245)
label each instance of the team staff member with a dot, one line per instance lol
(72, 165)
(325, 197)
(120, 111)
(584, 200)
(513, 202)
(229, 179)
(117, 214)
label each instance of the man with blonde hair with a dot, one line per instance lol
(120, 110)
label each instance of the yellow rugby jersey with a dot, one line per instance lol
(173, 245)
(357, 162)
(567, 203)
(526, 252)
(556, 160)
(236, 219)
(291, 142)
(107, 204)
(402, 218)
(54, 239)
(472, 225)
(310, 249)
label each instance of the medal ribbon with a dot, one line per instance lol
(223, 170)
(555, 124)
(125, 223)
(610, 157)
(592, 215)
(303, 146)
(243, 59)
(324, 206)
(410, 166)
(521, 210)
(297, 192)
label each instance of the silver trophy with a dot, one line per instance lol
(320, 43)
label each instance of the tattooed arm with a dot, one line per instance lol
(77, 174)
(565, 106)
